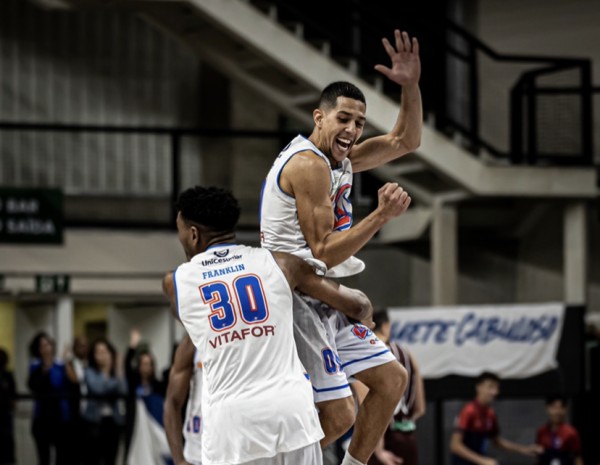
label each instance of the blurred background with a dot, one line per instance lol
(108, 109)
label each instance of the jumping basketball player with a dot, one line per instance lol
(297, 217)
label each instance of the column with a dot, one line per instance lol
(575, 250)
(444, 255)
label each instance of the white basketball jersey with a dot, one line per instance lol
(236, 305)
(192, 428)
(279, 225)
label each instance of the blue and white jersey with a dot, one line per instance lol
(279, 226)
(236, 305)
(192, 428)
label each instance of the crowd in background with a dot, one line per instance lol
(84, 399)
(85, 403)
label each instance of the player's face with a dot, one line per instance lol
(557, 412)
(342, 126)
(487, 391)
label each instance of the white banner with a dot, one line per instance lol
(512, 341)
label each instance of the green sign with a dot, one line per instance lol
(52, 284)
(31, 216)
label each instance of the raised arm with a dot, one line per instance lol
(179, 383)
(405, 136)
(306, 178)
(300, 275)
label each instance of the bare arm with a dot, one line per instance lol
(420, 404)
(405, 136)
(458, 447)
(530, 450)
(301, 276)
(177, 391)
(169, 291)
(306, 177)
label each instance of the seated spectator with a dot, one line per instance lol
(7, 405)
(49, 383)
(104, 419)
(559, 440)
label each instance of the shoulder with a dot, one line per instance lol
(307, 160)
(570, 431)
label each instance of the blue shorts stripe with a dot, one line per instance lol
(336, 388)
(366, 358)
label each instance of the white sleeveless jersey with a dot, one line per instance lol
(192, 428)
(279, 225)
(236, 305)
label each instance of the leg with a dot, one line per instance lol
(336, 417)
(42, 443)
(386, 385)
(316, 349)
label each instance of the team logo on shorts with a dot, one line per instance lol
(361, 332)
(222, 253)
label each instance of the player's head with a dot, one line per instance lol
(556, 407)
(382, 324)
(487, 387)
(205, 214)
(339, 119)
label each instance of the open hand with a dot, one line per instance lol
(406, 65)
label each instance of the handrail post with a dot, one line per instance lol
(587, 114)
(516, 123)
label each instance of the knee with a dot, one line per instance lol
(337, 416)
(390, 381)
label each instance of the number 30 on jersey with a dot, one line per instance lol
(250, 302)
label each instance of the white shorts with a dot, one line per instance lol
(315, 343)
(357, 346)
(309, 455)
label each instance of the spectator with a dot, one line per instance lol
(103, 417)
(76, 373)
(477, 425)
(142, 382)
(7, 404)
(559, 440)
(49, 383)
(399, 443)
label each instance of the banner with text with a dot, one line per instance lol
(513, 341)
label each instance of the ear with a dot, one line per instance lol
(318, 116)
(195, 234)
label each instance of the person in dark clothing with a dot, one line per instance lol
(7, 400)
(140, 371)
(477, 427)
(49, 383)
(560, 441)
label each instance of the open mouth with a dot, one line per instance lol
(343, 144)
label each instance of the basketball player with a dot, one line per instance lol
(185, 382)
(297, 217)
(235, 302)
(560, 441)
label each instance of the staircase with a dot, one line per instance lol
(245, 41)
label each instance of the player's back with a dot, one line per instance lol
(236, 305)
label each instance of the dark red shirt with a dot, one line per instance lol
(560, 446)
(478, 424)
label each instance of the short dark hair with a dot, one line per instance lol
(337, 89)
(212, 207)
(551, 399)
(487, 376)
(380, 317)
(34, 345)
